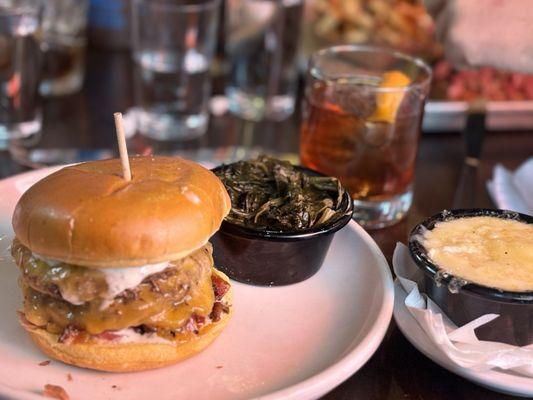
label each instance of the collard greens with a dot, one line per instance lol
(270, 194)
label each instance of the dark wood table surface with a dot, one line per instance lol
(397, 370)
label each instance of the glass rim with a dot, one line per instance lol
(176, 7)
(361, 48)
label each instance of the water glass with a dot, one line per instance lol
(361, 123)
(20, 63)
(63, 46)
(262, 45)
(173, 45)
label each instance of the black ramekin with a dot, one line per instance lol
(463, 303)
(270, 258)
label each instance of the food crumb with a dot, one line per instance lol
(55, 392)
(69, 377)
(44, 363)
(219, 366)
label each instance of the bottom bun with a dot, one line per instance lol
(128, 357)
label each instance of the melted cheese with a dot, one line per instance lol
(489, 251)
(117, 279)
(158, 310)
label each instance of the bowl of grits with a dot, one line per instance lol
(476, 262)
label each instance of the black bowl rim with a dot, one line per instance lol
(234, 229)
(419, 254)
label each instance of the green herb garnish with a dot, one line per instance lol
(270, 194)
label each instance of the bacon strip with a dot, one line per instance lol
(69, 335)
(220, 286)
(218, 309)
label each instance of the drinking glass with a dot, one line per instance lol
(63, 46)
(173, 44)
(20, 63)
(361, 123)
(262, 45)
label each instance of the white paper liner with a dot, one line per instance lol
(513, 190)
(460, 345)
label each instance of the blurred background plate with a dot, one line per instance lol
(405, 25)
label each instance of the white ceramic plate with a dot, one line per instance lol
(499, 380)
(293, 342)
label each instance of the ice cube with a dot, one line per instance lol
(377, 134)
(358, 101)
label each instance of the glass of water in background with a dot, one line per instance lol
(63, 46)
(20, 65)
(173, 45)
(262, 46)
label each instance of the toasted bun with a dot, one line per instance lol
(87, 214)
(126, 357)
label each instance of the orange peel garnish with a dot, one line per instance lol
(387, 103)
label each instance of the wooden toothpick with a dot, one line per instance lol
(123, 150)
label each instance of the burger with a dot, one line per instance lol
(118, 275)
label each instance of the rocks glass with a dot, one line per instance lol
(361, 123)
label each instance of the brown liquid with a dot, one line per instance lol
(374, 160)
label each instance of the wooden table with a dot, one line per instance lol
(397, 370)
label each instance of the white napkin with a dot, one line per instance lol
(460, 345)
(513, 190)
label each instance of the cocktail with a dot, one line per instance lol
(361, 122)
